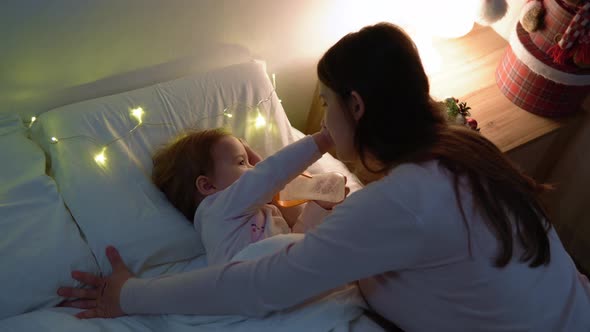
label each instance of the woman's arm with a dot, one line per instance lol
(366, 235)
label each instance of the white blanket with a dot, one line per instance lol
(332, 312)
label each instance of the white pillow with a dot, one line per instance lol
(116, 204)
(39, 243)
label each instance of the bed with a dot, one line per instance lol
(77, 179)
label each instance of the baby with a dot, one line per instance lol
(210, 176)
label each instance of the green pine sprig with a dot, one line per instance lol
(455, 108)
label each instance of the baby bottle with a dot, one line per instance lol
(329, 187)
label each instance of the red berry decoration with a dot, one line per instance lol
(472, 123)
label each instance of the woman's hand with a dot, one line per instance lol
(330, 205)
(103, 298)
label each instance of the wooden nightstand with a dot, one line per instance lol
(468, 67)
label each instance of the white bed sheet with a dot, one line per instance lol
(337, 311)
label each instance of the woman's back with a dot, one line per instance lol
(454, 283)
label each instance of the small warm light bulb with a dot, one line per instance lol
(260, 121)
(229, 115)
(137, 113)
(100, 158)
(54, 140)
(33, 119)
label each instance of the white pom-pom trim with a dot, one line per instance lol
(539, 68)
(490, 11)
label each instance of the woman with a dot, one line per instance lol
(447, 236)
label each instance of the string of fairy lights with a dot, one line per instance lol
(138, 113)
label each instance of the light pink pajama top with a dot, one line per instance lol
(239, 215)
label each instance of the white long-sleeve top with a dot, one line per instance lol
(404, 238)
(239, 215)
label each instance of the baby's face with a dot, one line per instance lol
(230, 160)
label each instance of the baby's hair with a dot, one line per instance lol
(178, 164)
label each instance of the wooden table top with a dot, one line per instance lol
(468, 73)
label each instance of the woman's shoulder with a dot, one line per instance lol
(416, 185)
(417, 188)
(415, 176)
(428, 168)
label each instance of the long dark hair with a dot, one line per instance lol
(402, 123)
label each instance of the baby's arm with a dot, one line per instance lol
(258, 186)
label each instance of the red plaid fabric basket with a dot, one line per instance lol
(557, 17)
(550, 89)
